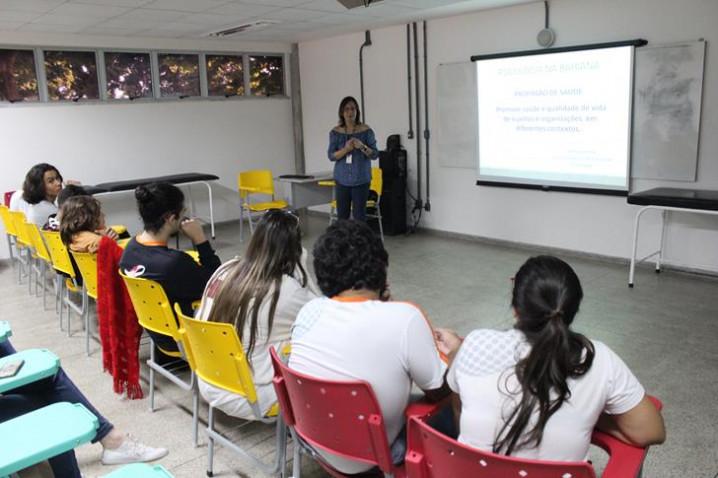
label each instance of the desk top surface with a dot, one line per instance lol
(676, 197)
(308, 178)
(130, 184)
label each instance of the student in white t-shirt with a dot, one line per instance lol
(538, 390)
(37, 198)
(260, 295)
(355, 333)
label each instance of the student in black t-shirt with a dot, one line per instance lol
(161, 206)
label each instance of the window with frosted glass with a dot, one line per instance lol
(179, 75)
(18, 78)
(129, 75)
(71, 75)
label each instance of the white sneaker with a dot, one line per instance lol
(131, 451)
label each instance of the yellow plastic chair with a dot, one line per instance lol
(87, 264)
(42, 259)
(23, 246)
(66, 278)
(256, 182)
(216, 355)
(154, 313)
(376, 185)
(10, 232)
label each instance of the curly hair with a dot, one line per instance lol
(33, 189)
(350, 256)
(78, 214)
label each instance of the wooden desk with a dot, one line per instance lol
(667, 199)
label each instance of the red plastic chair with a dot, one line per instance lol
(340, 417)
(6, 197)
(434, 455)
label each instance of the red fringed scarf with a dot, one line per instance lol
(119, 329)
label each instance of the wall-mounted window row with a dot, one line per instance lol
(35, 75)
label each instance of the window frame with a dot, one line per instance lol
(101, 77)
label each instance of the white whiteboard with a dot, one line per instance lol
(456, 113)
(667, 99)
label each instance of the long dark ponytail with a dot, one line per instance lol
(546, 297)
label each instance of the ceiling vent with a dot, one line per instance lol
(247, 27)
(349, 4)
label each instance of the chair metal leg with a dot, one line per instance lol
(297, 457)
(378, 217)
(210, 441)
(195, 417)
(152, 375)
(86, 308)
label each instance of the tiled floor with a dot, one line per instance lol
(666, 329)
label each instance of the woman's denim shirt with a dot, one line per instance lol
(359, 171)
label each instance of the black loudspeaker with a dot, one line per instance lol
(393, 199)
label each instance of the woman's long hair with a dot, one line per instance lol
(33, 188)
(78, 214)
(546, 297)
(275, 250)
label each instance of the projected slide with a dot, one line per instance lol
(556, 119)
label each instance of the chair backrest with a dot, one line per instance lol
(87, 263)
(340, 417)
(216, 355)
(152, 306)
(7, 221)
(37, 242)
(431, 454)
(377, 183)
(260, 181)
(6, 197)
(58, 252)
(18, 220)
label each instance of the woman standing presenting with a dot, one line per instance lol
(352, 146)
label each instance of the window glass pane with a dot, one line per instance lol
(266, 75)
(179, 74)
(225, 75)
(129, 75)
(18, 79)
(71, 75)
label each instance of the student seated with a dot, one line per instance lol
(355, 333)
(38, 194)
(82, 224)
(118, 448)
(260, 295)
(538, 390)
(161, 207)
(70, 190)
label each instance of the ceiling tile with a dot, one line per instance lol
(89, 11)
(18, 16)
(291, 14)
(102, 29)
(243, 9)
(185, 5)
(116, 3)
(41, 6)
(147, 15)
(211, 19)
(181, 27)
(36, 27)
(331, 6)
(9, 26)
(276, 3)
(69, 20)
(386, 11)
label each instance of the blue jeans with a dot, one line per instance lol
(351, 198)
(44, 392)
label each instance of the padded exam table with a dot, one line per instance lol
(668, 199)
(178, 179)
